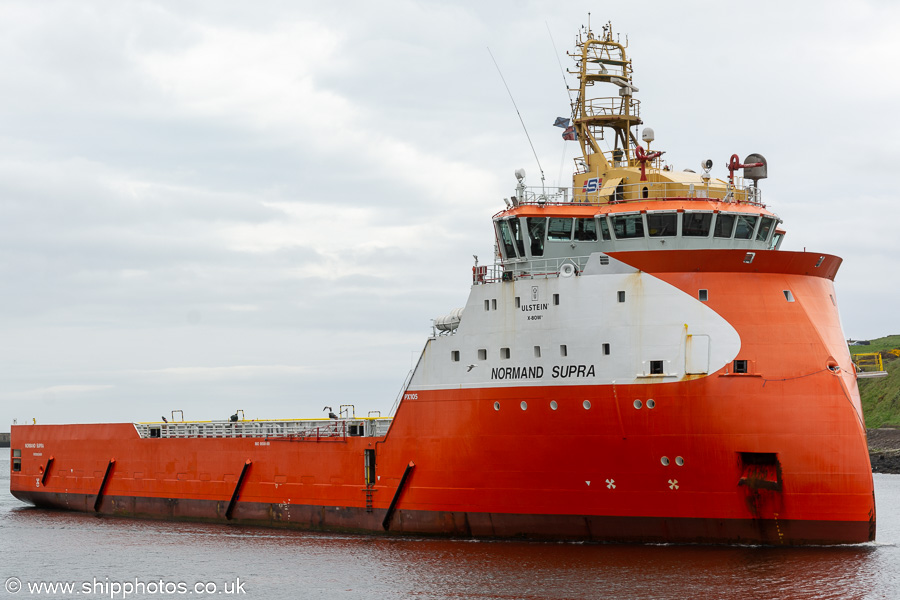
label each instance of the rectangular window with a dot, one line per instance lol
(504, 353)
(745, 226)
(563, 351)
(703, 295)
(628, 226)
(585, 230)
(604, 229)
(788, 296)
(656, 367)
(662, 224)
(537, 226)
(493, 304)
(696, 224)
(724, 225)
(518, 302)
(606, 349)
(740, 366)
(154, 432)
(17, 460)
(454, 355)
(765, 226)
(537, 351)
(517, 234)
(621, 296)
(556, 299)
(559, 230)
(506, 240)
(487, 305)
(482, 354)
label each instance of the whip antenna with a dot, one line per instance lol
(520, 116)
(561, 70)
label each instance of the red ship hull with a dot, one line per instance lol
(774, 456)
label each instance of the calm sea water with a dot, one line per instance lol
(121, 558)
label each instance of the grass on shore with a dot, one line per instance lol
(881, 397)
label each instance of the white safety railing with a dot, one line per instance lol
(288, 429)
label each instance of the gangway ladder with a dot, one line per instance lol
(370, 497)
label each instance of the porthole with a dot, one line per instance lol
(638, 404)
(665, 461)
(523, 405)
(651, 403)
(553, 405)
(496, 406)
(586, 404)
(679, 461)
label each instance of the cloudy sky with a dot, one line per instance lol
(212, 206)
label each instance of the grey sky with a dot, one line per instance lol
(218, 205)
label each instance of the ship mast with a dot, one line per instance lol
(603, 60)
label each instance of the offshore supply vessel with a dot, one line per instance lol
(641, 362)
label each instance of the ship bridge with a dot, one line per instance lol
(625, 198)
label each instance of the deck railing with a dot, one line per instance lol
(283, 429)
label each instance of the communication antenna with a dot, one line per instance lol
(521, 120)
(561, 70)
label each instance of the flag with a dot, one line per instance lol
(569, 133)
(561, 122)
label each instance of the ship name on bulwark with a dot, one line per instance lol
(557, 372)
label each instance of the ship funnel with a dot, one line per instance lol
(755, 173)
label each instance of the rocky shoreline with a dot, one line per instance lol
(884, 449)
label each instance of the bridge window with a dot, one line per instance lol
(560, 230)
(745, 226)
(585, 230)
(604, 229)
(628, 226)
(724, 225)
(696, 224)
(656, 367)
(662, 224)
(765, 226)
(506, 240)
(517, 234)
(537, 227)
